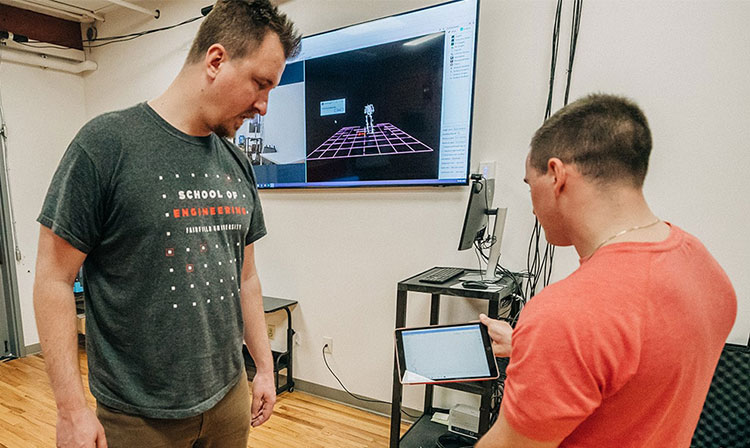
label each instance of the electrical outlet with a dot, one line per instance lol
(271, 330)
(328, 344)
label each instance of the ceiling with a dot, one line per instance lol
(82, 10)
(76, 10)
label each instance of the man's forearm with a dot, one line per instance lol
(54, 306)
(254, 319)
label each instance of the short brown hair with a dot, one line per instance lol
(240, 26)
(606, 136)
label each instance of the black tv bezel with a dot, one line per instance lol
(422, 183)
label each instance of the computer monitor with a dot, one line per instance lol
(476, 219)
(477, 228)
(381, 103)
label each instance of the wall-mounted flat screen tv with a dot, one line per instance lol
(381, 103)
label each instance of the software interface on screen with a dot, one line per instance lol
(386, 102)
(445, 353)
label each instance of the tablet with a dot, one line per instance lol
(444, 354)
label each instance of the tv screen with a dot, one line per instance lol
(381, 103)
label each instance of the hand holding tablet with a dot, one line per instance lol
(500, 332)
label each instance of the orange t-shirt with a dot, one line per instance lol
(622, 352)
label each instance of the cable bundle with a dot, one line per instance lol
(538, 263)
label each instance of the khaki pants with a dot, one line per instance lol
(226, 425)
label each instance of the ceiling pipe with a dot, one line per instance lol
(10, 42)
(149, 12)
(44, 61)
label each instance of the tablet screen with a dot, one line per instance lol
(445, 353)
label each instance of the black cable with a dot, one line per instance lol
(539, 266)
(553, 64)
(355, 396)
(112, 42)
(153, 30)
(478, 253)
(518, 293)
(545, 267)
(480, 240)
(534, 263)
(126, 37)
(530, 268)
(514, 276)
(480, 245)
(575, 26)
(114, 39)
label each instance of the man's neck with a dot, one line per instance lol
(618, 216)
(181, 105)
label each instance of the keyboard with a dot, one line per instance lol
(440, 275)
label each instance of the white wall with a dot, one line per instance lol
(686, 64)
(43, 110)
(341, 252)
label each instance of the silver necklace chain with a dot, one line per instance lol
(623, 232)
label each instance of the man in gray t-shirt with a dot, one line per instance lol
(163, 212)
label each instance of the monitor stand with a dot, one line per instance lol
(489, 274)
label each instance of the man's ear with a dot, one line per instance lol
(215, 56)
(559, 173)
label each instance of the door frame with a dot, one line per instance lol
(10, 300)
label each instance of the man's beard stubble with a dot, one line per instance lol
(223, 131)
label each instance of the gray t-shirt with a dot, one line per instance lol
(164, 218)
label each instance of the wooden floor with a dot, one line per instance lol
(27, 415)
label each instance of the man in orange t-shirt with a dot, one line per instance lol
(622, 352)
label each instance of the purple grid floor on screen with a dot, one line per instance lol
(353, 141)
